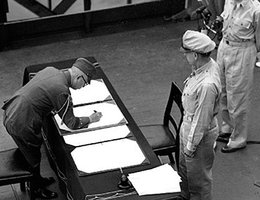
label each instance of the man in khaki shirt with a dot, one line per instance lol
(236, 57)
(199, 129)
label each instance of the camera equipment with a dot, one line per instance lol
(204, 13)
(217, 24)
(207, 26)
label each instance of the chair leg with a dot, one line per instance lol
(22, 186)
(171, 159)
(31, 191)
(160, 159)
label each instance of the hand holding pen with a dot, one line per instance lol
(95, 117)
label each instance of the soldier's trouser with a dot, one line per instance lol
(236, 62)
(196, 172)
(31, 152)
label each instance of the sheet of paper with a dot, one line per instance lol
(111, 115)
(110, 155)
(96, 91)
(162, 179)
(100, 135)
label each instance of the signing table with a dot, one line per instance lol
(85, 167)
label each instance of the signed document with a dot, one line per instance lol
(95, 92)
(96, 136)
(112, 116)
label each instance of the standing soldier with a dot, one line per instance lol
(236, 58)
(199, 128)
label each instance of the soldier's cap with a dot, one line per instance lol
(86, 66)
(197, 42)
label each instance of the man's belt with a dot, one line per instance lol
(243, 43)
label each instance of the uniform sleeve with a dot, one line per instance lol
(66, 113)
(203, 115)
(257, 28)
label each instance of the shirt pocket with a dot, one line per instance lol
(225, 15)
(190, 102)
(241, 26)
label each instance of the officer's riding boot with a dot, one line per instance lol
(39, 184)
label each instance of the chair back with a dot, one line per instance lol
(174, 110)
(173, 116)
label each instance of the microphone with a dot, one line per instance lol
(124, 182)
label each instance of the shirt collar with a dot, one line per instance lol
(68, 76)
(240, 4)
(198, 71)
(202, 68)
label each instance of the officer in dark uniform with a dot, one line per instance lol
(47, 92)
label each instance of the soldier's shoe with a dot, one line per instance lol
(223, 137)
(227, 149)
(44, 193)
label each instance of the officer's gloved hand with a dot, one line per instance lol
(95, 117)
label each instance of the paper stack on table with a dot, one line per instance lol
(96, 136)
(162, 179)
(109, 155)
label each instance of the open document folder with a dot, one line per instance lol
(162, 179)
(109, 155)
(95, 92)
(111, 116)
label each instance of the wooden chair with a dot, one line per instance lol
(13, 169)
(164, 138)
